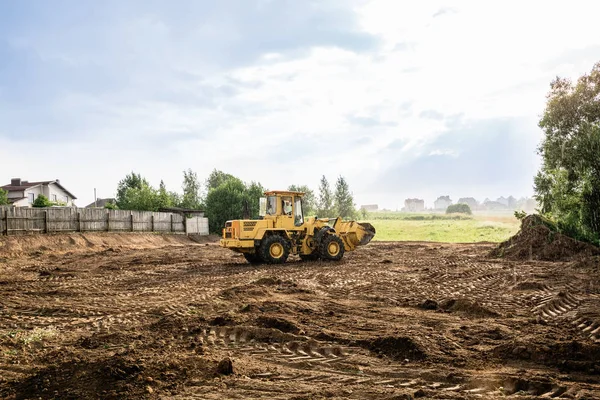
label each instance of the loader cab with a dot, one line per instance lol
(283, 206)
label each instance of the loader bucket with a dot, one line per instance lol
(355, 233)
(367, 231)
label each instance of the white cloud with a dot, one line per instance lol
(175, 93)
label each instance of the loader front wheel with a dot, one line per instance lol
(332, 248)
(274, 249)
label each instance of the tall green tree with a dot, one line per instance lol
(216, 178)
(325, 206)
(131, 181)
(164, 198)
(308, 202)
(344, 201)
(567, 186)
(191, 190)
(254, 191)
(3, 197)
(144, 198)
(225, 202)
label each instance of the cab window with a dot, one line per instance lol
(286, 205)
(298, 216)
(271, 205)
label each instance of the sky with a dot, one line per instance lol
(402, 99)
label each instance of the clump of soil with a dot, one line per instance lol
(529, 285)
(539, 239)
(467, 307)
(567, 356)
(429, 305)
(397, 348)
(277, 323)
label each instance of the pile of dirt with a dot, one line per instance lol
(567, 356)
(277, 323)
(123, 376)
(467, 308)
(397, 348)
(539, 239)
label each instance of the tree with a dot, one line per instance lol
(567, 186)
(325, 206)
(216, 178)
(308, 202)
(131, 181)
(225, 202)
(344, 202)
(42, 201)
(3, 197)
(191, 190)
(144, 198)
(460, 208)
(164, 198)
(254, 191)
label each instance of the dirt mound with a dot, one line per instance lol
(530, 285)
(467, 307)
(397, 348)
(539, 239)
(12, 246)
(567, 356)
(125, 376)
(277, 323)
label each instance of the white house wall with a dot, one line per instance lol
(52, 189)
(21, 203)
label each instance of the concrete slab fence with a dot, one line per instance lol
(18, 221)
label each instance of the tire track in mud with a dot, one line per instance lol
(273, 344)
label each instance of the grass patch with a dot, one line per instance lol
(443, 228)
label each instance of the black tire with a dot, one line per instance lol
(310, 257)
(331, 248)
(274, 249)
(253, 258)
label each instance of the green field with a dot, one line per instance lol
(392, 226)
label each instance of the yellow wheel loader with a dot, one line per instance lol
(282, 230)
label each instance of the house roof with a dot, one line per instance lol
(101, 202)
(29, 185)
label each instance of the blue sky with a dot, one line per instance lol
(403, 99)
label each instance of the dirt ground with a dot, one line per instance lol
(148, 316)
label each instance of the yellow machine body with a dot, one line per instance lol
(282, 230)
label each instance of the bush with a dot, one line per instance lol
(42, 201)
(459, 208)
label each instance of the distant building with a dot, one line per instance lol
(470, 201)
(414, 205)
(442, 203)
(494, 205)
(101, 203)
(23, 193)
(370, 207)
(502, 200)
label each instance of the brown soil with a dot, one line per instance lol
(146, 316)
(538, 240)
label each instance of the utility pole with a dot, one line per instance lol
(95, 199)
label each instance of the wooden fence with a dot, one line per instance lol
(17, 220)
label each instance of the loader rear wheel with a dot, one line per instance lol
(253, 258)
(331, 248)
(274, 249)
